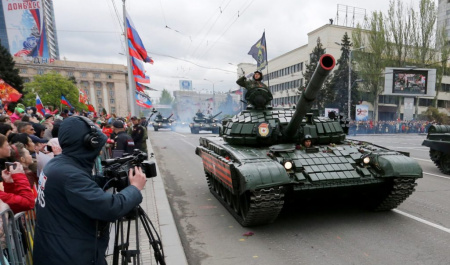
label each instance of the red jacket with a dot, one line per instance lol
(18, 195)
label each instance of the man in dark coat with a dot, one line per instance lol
(73, 211)
(138, 134)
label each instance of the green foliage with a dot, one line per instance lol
(325, 95)
(9, 73)
(166, 98)
(433, 114)
(50, 87)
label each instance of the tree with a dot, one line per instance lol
(50, 87)
(9, 73)
(371, 64)
(339, 81)
(325, 94)
(166, 98)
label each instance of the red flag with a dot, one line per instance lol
(8, 93)
(91, 108)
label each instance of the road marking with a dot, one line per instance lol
(439, 176)
(179, 134)
(440, 227)
(195, 146)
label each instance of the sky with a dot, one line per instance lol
(197, 39)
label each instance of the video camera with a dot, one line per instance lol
(116, 169)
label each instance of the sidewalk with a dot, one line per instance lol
(156, 205)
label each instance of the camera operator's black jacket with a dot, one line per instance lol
(71, 208)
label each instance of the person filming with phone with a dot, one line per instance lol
(16, 192)
(73, 210)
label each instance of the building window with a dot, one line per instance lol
(112, 101)
(99, 100)
(70, 73)
(111, 93)
(98, 85)
(99, 93)
(96, 75)
(109, 76)
(83, 74)
(113, 110)
(40, 71)
(26, 80)
(23, 71)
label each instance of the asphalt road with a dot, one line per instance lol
(417, 232)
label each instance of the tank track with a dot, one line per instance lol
(400, 190)
(264, 205)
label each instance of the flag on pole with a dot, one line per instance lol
(143, 80)
(64, 101)
(134, 53)
(136, 41)
(143, 100)
(8, 93)
(39, 105)
(259, 52)
(82, 97)
(138, 67)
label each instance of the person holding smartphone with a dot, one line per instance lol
(16, 187)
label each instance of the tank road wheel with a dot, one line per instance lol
(434, 155)
(244, 207)
(235, 203)
(210, 181)
(444, 164)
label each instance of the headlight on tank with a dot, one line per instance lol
(365, 160)
(288, 164)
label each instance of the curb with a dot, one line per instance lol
(170, 238)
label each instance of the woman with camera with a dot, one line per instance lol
(16, 187)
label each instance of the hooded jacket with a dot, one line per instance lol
(71, 207)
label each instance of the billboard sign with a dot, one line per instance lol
(410, 82)
(362, 113)
(328, 110)
(25, 28)
(185, 84)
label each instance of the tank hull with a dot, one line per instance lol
(209, 127)
(438, 140)
(253, 184)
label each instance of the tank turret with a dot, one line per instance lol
(261, 124)
(438, 140)
(204, 124)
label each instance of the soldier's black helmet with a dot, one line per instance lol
(260, 74)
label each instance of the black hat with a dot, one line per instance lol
(36, 139)
(133, 118)
(260, 74)
(47, 116)
(118, 124)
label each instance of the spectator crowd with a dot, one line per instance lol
(392, 127)
(29, 140)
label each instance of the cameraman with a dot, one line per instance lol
(73, 211)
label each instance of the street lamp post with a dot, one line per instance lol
(214, 94)
(350, 79)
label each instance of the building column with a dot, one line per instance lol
(106, 98)
(92, 97)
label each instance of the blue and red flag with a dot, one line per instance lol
(39, 105)
(138, 67)
(64, 101)
(136, 41)
(143, 80)
(134, 53)
(143, 100)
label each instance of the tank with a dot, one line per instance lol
(163, 123)
(202, 123)
(438, 140)
(258, 162)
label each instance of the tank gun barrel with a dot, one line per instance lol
(170, 116)
(304, 104)
(216, 115)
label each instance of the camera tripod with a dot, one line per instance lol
(122, 240)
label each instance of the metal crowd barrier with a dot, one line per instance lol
(16, 237)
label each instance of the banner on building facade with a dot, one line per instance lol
(25, 28)
(185, 84)
(362, 113)
(408, 112)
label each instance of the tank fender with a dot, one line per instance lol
(440, 146)
(396, 165)
(259, 175)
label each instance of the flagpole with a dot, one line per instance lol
(267, 66)
(131, 84)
